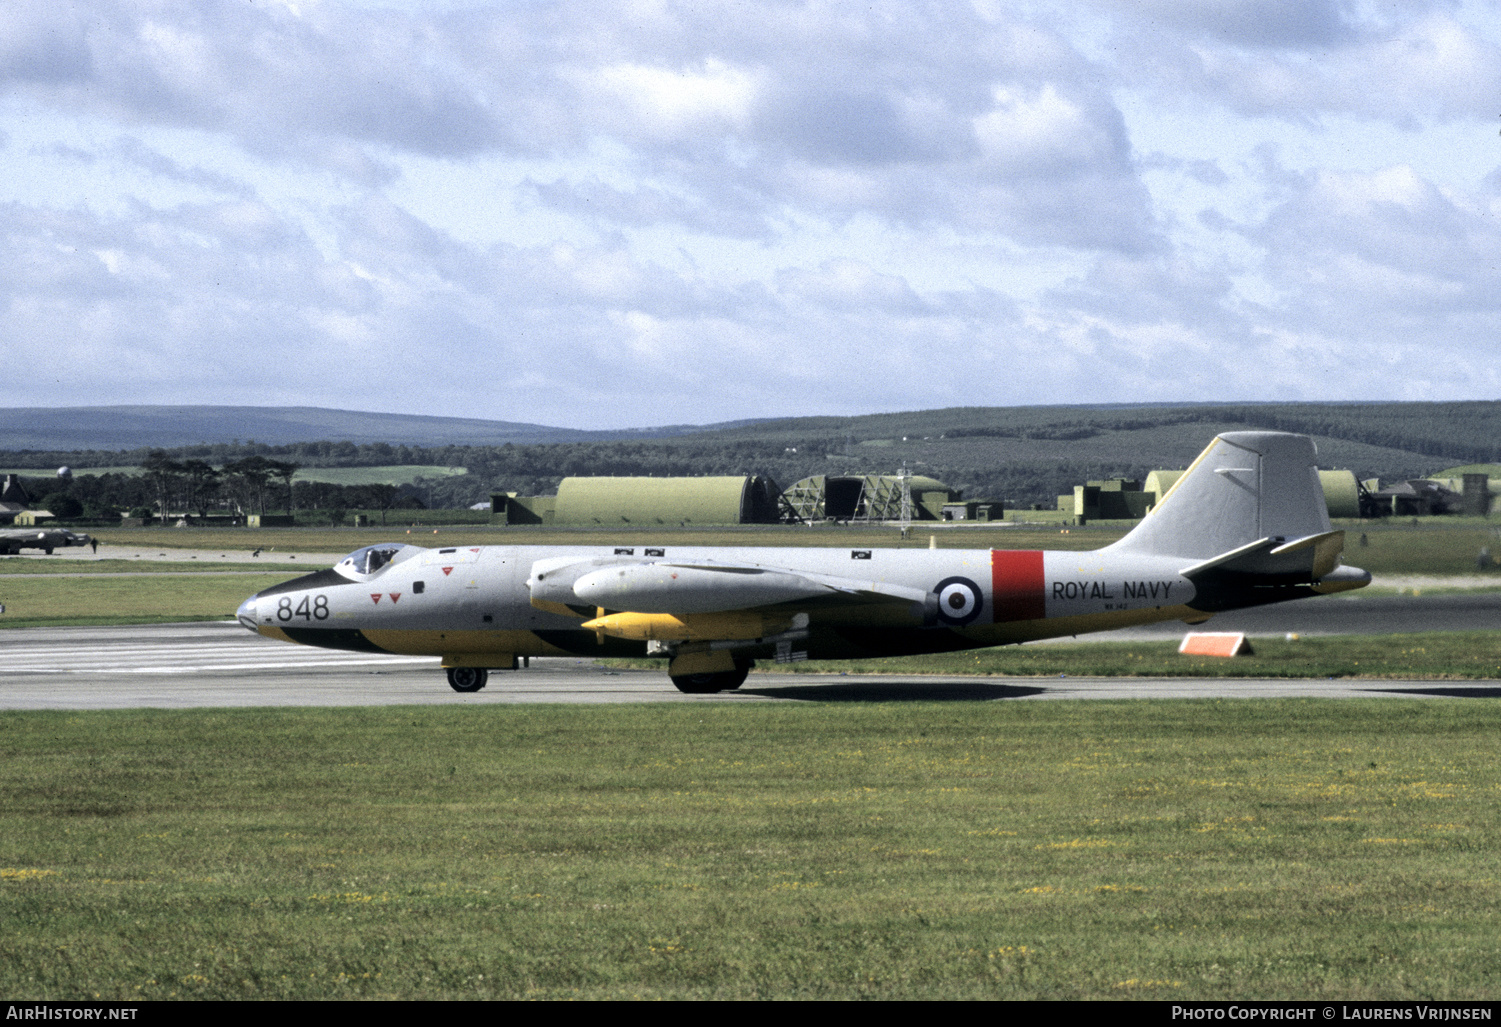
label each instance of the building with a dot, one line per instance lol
(736, 499)
(1112, 499)
(13, 499)
(1126, 499)
(873, 497)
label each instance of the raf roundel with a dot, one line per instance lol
(959, 601)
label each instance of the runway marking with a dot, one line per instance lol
(206, 668)
(229, 654)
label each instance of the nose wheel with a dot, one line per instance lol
(467, 679)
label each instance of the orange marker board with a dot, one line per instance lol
(1215, 643)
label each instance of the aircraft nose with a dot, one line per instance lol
(246, 613)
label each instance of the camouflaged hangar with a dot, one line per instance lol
(732, 499)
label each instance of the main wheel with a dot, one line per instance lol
(707, 684)
(467, 679)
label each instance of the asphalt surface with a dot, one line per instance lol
(219, 664)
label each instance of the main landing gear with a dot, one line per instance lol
(467, 679)
(707, 684)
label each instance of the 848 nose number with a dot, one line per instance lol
(317, 610)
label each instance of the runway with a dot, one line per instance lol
(219, 664)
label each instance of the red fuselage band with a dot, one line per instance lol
(1017, 584)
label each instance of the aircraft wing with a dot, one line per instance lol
(713, 587)
(697, 587)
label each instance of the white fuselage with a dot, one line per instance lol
(477, 599)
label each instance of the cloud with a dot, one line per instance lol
(1376, 285)
(669, 104)
(263, 73)
(901, 114)
(1303, 61)
(43, 42)
(887, 205)
(726, 211)
(1390, 251)
(1299, 24)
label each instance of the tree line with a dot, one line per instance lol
(170, 486)
(323, 453)
(250, 476)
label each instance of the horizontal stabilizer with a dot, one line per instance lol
(1303, 560)
(1270, 570)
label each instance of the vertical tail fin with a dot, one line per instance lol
(1245, 487)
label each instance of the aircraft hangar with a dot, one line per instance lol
(724, 499)
(739, 499)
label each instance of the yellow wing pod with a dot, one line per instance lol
(687, 627)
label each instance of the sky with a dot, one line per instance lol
(612, 215)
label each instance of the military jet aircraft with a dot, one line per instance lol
(1246, 525)
(12, 541)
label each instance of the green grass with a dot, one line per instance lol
(1472, 655)
(50, 472)
(1167, 850)
(1433, 547)
(52, 567)
(383, 474)
(394, 474)
(128, 598)
(1430, 547)
(432, 530)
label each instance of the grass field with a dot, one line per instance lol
(128, 598)
(1449, 655)
(384, 474)
(1432, 547)
(1178, 850)
(314, 540)
(48, 472)
(52, 568)
(395, 474)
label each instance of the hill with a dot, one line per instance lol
(167, 427)
(1023, 455)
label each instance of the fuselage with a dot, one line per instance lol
(471, 603)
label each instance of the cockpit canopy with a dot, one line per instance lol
(366, 561)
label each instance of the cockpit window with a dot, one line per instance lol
(371, 558)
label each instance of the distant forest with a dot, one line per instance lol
(1024, 455)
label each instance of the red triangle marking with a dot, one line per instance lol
(395, 596)
(375, 597)
(474, 550)
(447, 571)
